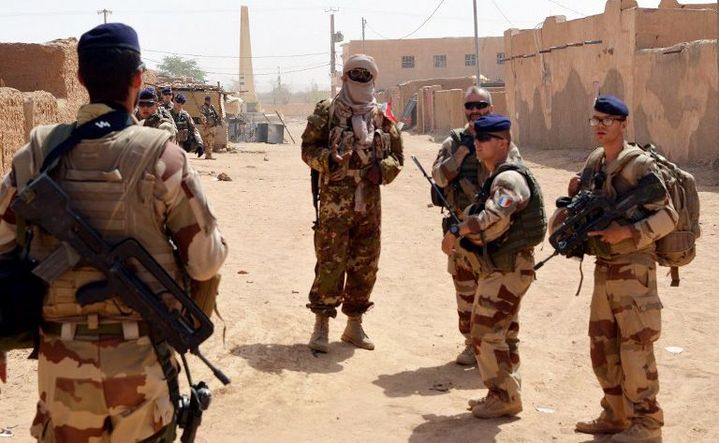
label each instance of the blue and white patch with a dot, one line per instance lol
(504, 201)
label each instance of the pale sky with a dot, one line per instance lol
(288, 28)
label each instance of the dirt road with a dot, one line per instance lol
(409, 389)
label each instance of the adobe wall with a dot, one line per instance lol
(448, 110)
(12, 126)
(555, 72)
(676, 101)
(408, 89)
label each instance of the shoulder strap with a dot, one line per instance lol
(94, 129)
(592, 167)
(507, 166)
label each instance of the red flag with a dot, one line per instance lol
(388, 111)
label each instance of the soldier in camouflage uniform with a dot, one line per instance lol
(625, 313)
(101, 377)
(166, 98)
(187, 134)
(210, 121)
(458, 172)
(149, 114)
(354, 148)
(500, 230)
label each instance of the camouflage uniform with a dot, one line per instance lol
(625, 313)
(187, 134)
(502, 282)
(460, 183)
(99, 376)
(160, 121)
(347, 238)
(211, 120)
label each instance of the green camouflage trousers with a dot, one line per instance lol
(465, 287)
(625, 321)
(347, 246)
(494, 328)
(107, 390)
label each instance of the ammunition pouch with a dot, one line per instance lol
(21, 298)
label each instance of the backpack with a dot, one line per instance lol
(678, 248)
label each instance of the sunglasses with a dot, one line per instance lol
(606, 121)
(486, 136)
(145, 104)
(475, 105)
(359, 75)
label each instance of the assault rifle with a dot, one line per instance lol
(44, 204)
(587, 212)
(438, 192)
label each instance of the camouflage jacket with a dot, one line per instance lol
(160, 121)
(210, 115)
(316, 149)
(186, 129)
(648, 224)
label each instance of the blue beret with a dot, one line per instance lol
(608, 104)
(167, 90)
(110, 36)
(492, 123)
(179, 98)
(148, 95)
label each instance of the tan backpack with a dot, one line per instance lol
(678, 248)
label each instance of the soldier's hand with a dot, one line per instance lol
(373, 174)
(574, 184)
(448, 243)
(614, 234)
(338, 159)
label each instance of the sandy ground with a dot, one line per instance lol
(409, 388)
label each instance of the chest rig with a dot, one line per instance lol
(462, 191)
(183, 126)
(364, 152)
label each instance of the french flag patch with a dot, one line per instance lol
(504, 201)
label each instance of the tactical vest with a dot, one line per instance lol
(462, 192)
(183, 125)
(527, 228)
(341, 130)
(210, 114)
(111, 183)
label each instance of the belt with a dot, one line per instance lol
(108, 330)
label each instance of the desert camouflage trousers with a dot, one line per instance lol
(107, 390)
(465, 288)
(625, 321)
(494, 326)
(347, 247)
(208, 137)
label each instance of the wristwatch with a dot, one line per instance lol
(454, 230)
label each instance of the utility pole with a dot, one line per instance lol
(334, 38)
(476, 45)
(105, 13)
(277, 96)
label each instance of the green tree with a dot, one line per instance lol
(176, 66)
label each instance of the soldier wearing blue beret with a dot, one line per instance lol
(166, 97)
(104, 373)
(150, 114)
(496, 240)
(188, 136)
(621, 335)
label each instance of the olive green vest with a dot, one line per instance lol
(527, 229)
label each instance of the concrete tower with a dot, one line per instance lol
(247, 76)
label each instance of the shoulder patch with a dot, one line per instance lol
(504, 201)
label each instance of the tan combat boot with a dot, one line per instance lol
(492, 407)
(355, 335)
(601, 425)
(639, 433)
(466, 357)
(320, 341)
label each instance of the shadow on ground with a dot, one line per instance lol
(274, 358)
(435, 380)
(459, 428)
